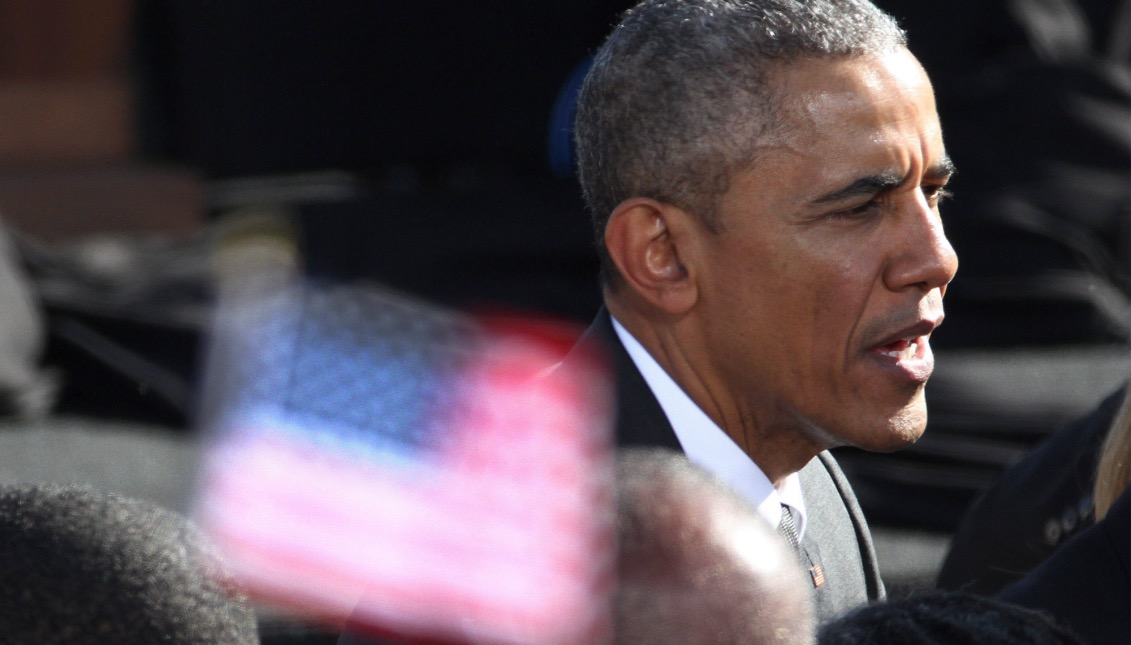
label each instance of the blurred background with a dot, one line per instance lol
(425, 146)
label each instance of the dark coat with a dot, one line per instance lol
(1086, 584)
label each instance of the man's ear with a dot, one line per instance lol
(643, 239)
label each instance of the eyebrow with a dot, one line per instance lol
(869, 185)
(942, 170)
(878, 183)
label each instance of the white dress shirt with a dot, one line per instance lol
(707, 445)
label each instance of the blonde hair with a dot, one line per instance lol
(1113, 473)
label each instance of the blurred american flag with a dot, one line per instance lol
(412, 470)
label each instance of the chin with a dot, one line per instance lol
(895, 441)
(874, 428)
(900, 431)
(886, 432)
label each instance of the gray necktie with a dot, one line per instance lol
(788, 528)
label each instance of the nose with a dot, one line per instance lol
(923, 257)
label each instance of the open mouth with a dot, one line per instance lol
(902, 349)
(909, 359)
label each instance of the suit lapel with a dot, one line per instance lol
(640, 419)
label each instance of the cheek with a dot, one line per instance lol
(804, 297)
(829, 284)
(846, 280)
(834, 296)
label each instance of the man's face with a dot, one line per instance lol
(826, 279)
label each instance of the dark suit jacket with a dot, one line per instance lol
(1086, 584)
(1032, 509)
(837, 538)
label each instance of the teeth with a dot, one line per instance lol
(909, 351)
(902, 349)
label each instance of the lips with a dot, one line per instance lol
(906, 353)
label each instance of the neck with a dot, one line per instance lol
(778, 443)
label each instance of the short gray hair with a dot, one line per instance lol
(677, 98)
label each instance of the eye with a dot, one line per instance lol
(935, 194)
(865, 210)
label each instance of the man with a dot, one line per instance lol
(764, 178)
(696, 564)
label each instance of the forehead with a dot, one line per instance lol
(812, 91)
(838, 118)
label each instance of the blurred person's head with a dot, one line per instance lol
(1113, 471)
(81, 567)
(697, 564)
(946, 618)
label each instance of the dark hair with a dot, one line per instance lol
(678, 97)
(79, 566)
(946, 618)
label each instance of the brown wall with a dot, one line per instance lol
(63, 39)
(64, 95)
(68, 162)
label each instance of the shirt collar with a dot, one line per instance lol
(707, 445)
